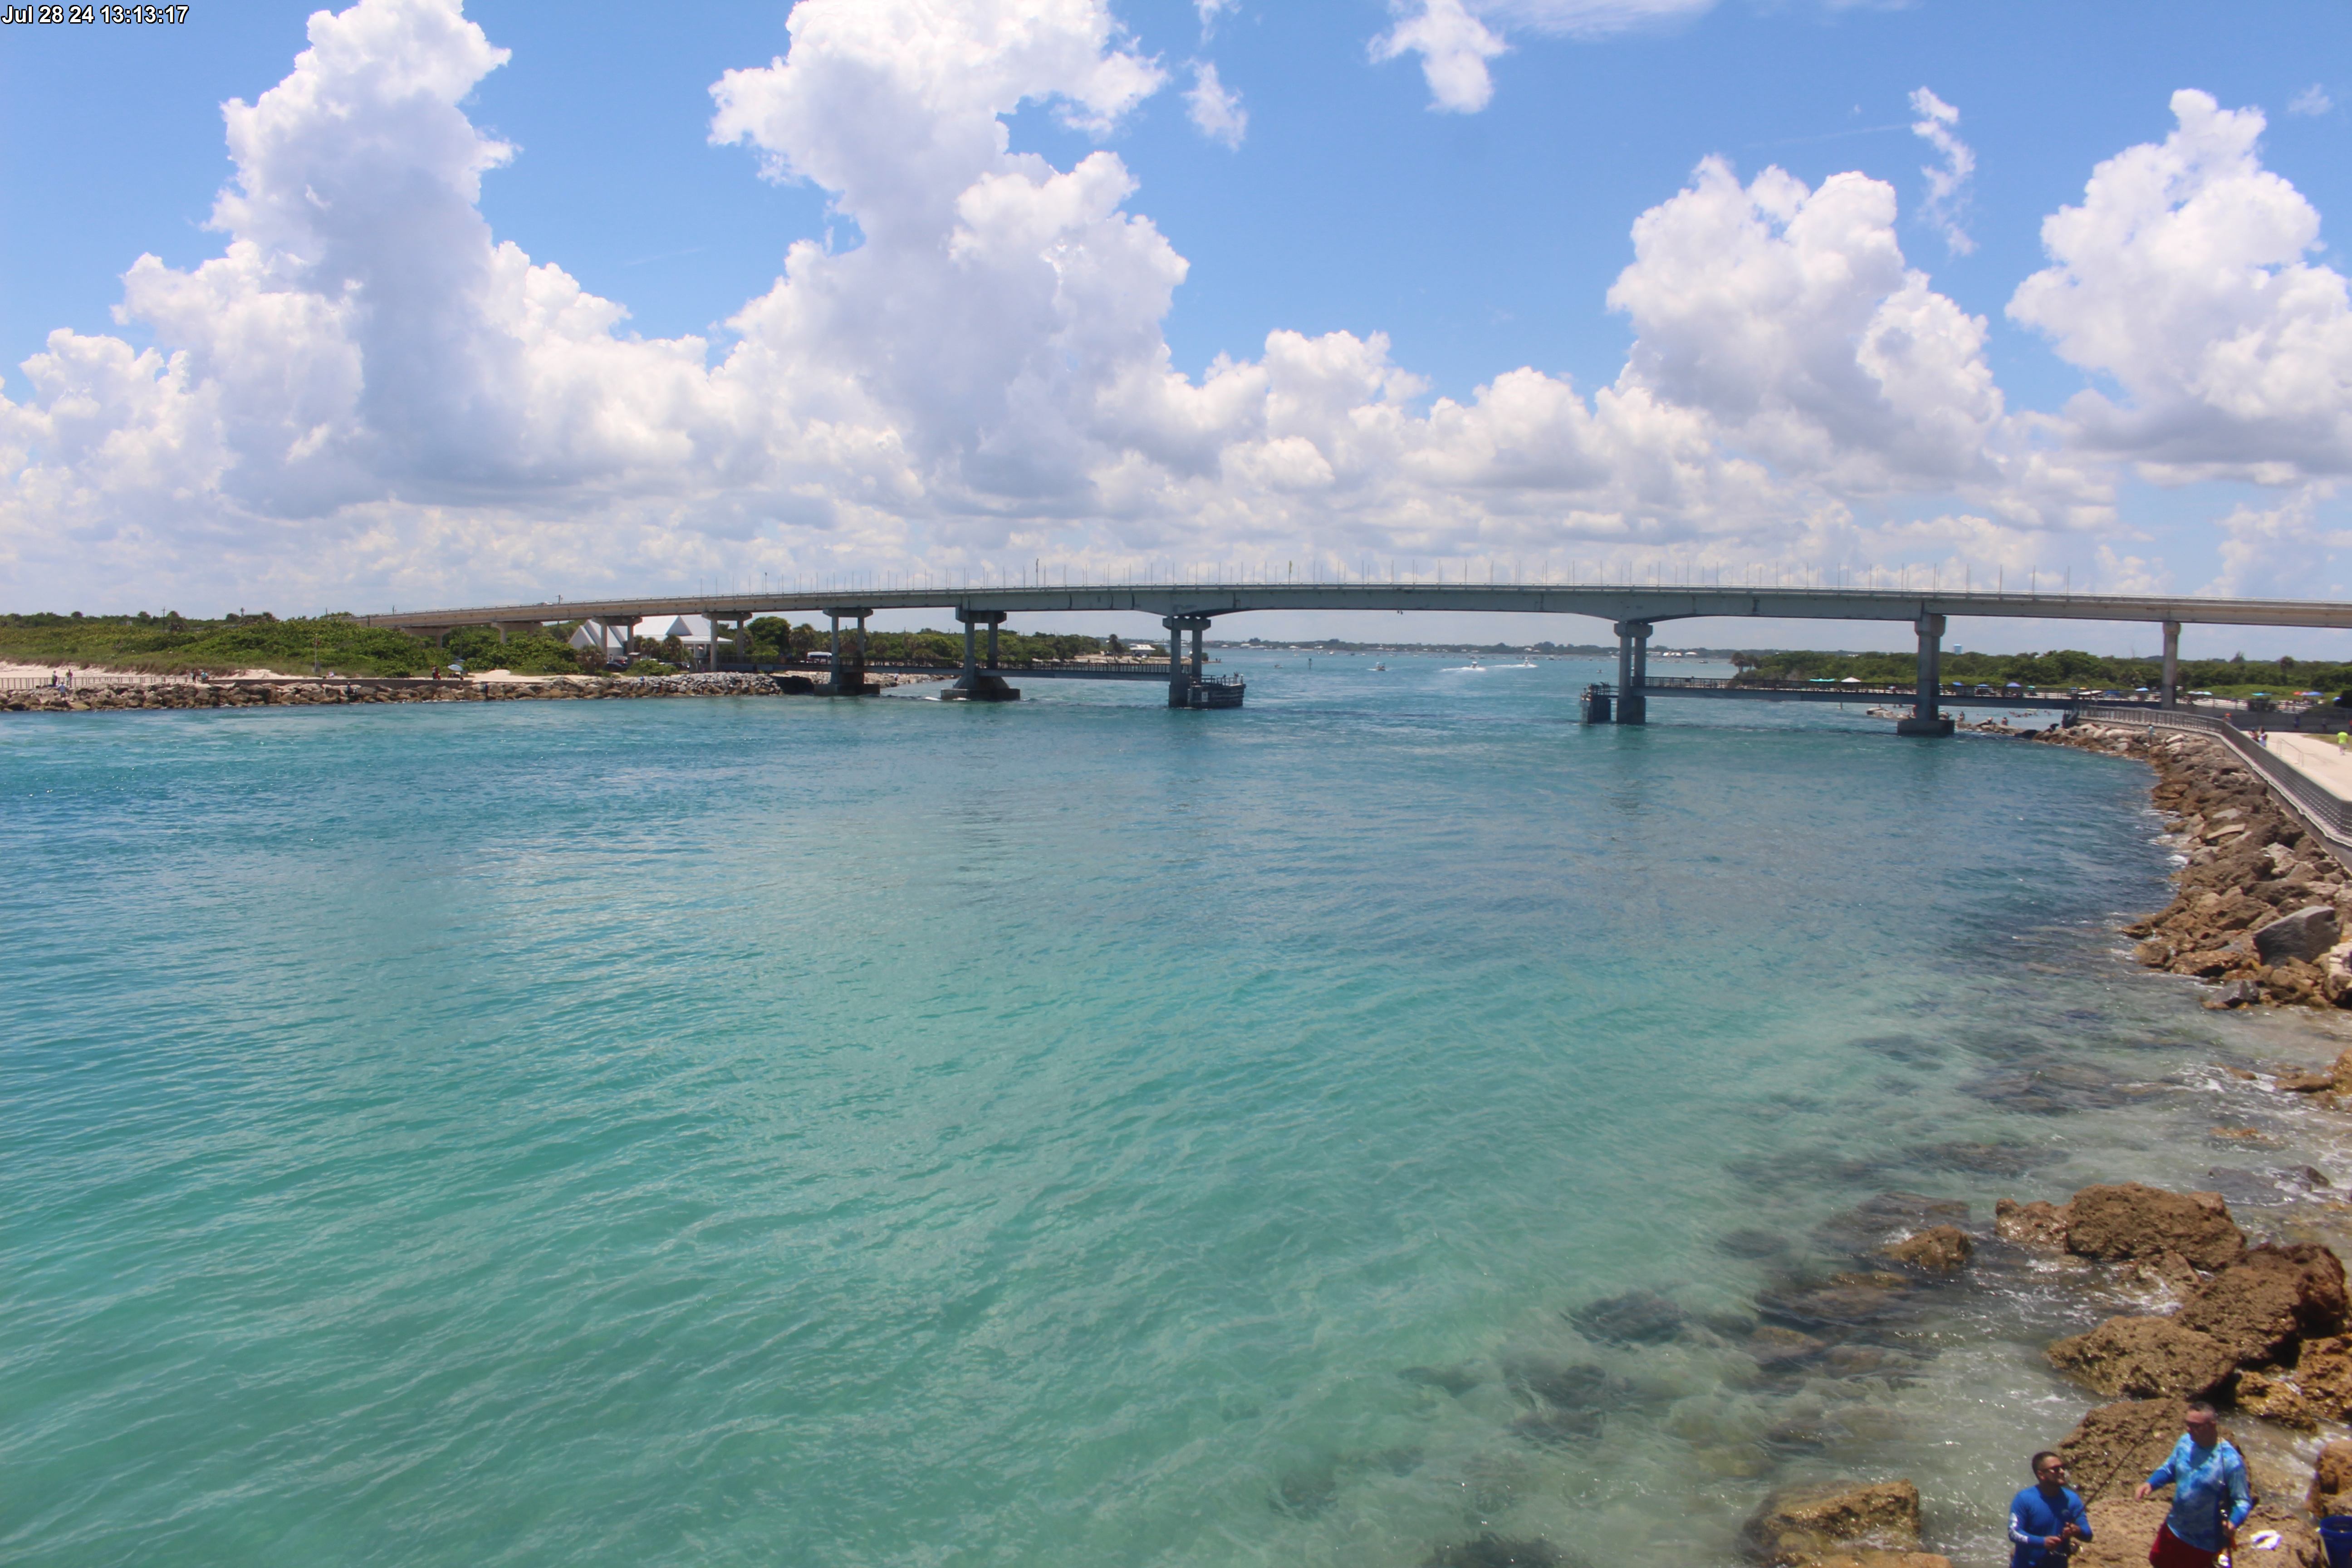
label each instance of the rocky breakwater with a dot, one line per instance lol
(2259, 1329)
(313, 693)
(2261, 907)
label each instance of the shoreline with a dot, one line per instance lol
(497, 685)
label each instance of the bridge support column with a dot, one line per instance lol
(847, 676)
(1926, 714)
(2171, 697)
(1182, 678)
(1632, 671)
(979, 684)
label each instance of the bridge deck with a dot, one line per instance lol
(1618, 601)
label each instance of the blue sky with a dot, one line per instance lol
(1477, 239)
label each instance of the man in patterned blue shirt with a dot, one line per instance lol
(2210, 1495)
(2047, 1518)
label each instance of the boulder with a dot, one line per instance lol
(2323, 1373)
(1941, 1249)
(2144, 1358)
(2121, 1528)
(2273, 1398)
(2331, 1479)
(2171, 1273)
(2304, 936)
(1800, 1524)
(2112, 1449)
(2133, 1221)
(2031, 1224)
(2259, 1305)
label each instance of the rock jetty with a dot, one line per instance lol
(293, 692)
(2261, 907)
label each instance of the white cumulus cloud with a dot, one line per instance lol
(1947, 184)
(1215, 109)
(1455, 39)
(2183, 276)
(366, 391)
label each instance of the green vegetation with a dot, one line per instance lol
(339, 645)
(2061, 669)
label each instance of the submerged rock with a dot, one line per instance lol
(1305, 1493)
(1564, 1385)
(1638, 1317)
(1798, 1524)
(1940, 1249)
(1751, 1243)
(1453, 1380)
(1496, 1551)
(1868, 1225)
(2144, 1358)
(1772, 1346)
(1841, 1302)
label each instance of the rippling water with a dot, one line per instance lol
(1062, 1134)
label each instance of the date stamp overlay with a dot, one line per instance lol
(92, 15)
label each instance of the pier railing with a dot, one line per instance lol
(2321, 809)
(90, 681)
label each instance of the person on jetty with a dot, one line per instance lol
(2210, 1497)
(2047, 1518)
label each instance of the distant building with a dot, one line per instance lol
(611, 638)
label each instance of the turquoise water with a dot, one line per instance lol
(1062, 1134)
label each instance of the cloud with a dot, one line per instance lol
(1455, 39)
(1217, 109)
(2182, 276)
(1454, 47)
(1209, 11)
(2311, 102)
(367, 391)
(2274, 551)
(1948, 185)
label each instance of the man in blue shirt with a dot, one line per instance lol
(2046, 1519)
(2210, 1497)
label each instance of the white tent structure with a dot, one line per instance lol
(612, 638)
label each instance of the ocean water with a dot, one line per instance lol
(1068, 1132)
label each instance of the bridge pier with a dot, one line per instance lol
(1632, 671)
(847, 676)
(977, 684)
(1927, 715)
(1183, 678)
(2172, 698)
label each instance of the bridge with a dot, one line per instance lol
(1633, 611)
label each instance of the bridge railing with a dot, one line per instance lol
(91, 680)
(2320, 807)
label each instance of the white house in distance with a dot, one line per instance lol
(694, 631)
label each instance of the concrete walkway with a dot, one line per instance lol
(2317, 759)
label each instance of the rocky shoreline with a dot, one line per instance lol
(2261, 906)
(294, 692)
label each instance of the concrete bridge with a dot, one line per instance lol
(1632, 610)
